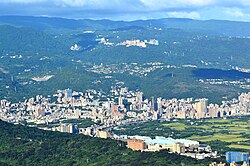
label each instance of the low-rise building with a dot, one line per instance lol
(136, 144)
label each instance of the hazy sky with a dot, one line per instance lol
(130, 9)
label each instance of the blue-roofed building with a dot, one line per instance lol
(168, 143)
(161, 141)
(189, 143)
(69, 93)
(237, 157)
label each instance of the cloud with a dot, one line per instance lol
(149, 4)
(93, 4)
(245, 2)
(165, 4)
(132, 9)
(237, 13)
(21, 1)
(192, 15)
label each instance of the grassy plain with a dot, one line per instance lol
(222, 137)
(176, 126)
(221, 134)
(246, 147)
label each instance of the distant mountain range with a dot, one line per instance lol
(221, 27)
(41, 46)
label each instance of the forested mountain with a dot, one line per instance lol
(176, 46)
(40, 46)
(29, 41)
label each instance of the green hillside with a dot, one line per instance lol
(27, 53)
(29, 41)
(21, 145)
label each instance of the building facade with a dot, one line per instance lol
(136, 144)
(237, 157)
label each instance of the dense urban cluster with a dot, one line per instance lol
(110, 109)
(121, 107)
(244, 83)
(128, 43)
(135, 69)
(139, 43)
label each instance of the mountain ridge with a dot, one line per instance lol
(223, 27)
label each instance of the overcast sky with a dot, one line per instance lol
(130, 9)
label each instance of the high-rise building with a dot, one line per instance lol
(237, 157)
(201, 108)
(159, 105)
(38, 98)
(201, 105)
(139, 99)
(123, 91)
(152, 103)
(39, 111)
(120, 101)
(139, 96)
(68, 93)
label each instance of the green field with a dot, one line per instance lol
(176, 126)
(240, 146)
(221, 137)
(221, 134)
